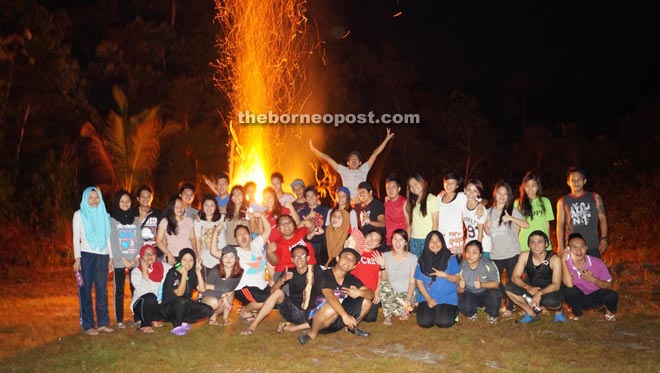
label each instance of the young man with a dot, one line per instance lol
(222, 188)
(340, 299)
(276, 181)
(395, 217)
(320, 211)
(542, 286)
(187, 194)
(292, 307)
(588, 283)
(372, 215)
(279, 251)
(581, 212)
(479, 284)
(356, 172)
(250, 189)
(147, 216)
(298, 187)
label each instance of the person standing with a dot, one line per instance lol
(91, 250)
(535, 207)
(395, 203)
(582, 212)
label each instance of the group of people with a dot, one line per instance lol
(328, 268)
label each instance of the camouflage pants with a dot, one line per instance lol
(393, 302)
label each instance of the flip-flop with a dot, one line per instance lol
(213, 322)
(281, 327)
(387, 322)
(248, 318)
(247, 332)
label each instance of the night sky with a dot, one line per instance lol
(585, 61)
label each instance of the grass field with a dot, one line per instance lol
(39, 331)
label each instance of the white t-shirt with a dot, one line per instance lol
(450, 222)
(351, 178)
(253, 263)
(204, 231)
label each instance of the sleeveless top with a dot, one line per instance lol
(540, 275)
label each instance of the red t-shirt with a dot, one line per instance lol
(367, 270)
(284, 247)
(274, 233)
(394, 217)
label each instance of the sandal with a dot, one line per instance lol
(247, 332)
(404, 317)
(249, 318)
(105, 329)
(387, 321)
(157, 324)
(213, 322)
(91, 331)
(226, 323)
(146, 330)
(281, 327)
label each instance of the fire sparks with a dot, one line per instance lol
(262, 67)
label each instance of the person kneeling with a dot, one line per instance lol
(339, 299)
(479, 284)
(588, 283)
(542, 287)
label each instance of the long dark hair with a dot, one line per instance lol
(277, 206)
(413, 198)
(216, 214)
(508, 206)
(236, 271)
(523, 201)
(231, 206)
(168, 213)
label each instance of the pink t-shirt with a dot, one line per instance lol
(596, 266)
(394, 217)
(181, 240)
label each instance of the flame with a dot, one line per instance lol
(262, 68)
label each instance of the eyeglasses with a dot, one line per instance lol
(301, 256)
(148, 253)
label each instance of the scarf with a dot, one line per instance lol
(335, 238)
(95, 221)
(156, 271)
(123, 217)
(430, 260)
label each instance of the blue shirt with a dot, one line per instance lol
(442, 290)
(222, 202)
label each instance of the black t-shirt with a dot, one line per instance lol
(172, 281)
(373, 210)
(298, 283)
(327, 280)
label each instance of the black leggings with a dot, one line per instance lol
(442, 315)
(145, 309)
(509, 264)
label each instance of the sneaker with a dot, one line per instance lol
(491, 319)
(186, 326)
(120, 325)
(559, 317)
(358, 332)
(179, 330)
(528, 319)
(473, 317)
(91, 331)
(573, 317)
(304, 338)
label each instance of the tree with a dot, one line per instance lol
(125, 151)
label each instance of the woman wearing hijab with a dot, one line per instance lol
(147, 278)
(436, 276)
(334, 236)
(180, 281)
(125, 241)
(91, 250)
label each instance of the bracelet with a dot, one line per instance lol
(383, 268)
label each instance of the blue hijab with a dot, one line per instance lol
(95, 221)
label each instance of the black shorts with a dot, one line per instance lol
(251, 294)
(352, 306)
(292, 313)
(551, 301)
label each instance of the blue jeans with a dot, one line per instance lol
(416, 246)
(94, 271)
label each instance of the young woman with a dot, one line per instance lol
(344, 203)
(273, 211)
(180, 281)
(334, 236)
(147, 279)
(503, 224)
(397, 284)
(125, 241)
(236, 213)
(479, 284)
(209, 219)
(91, 250)
(436, 276)
(175, 231)
(221, 282)
(474, 214)
(536, 209)
(450, 219)
(421, 211)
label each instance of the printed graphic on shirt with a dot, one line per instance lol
(580, 213)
